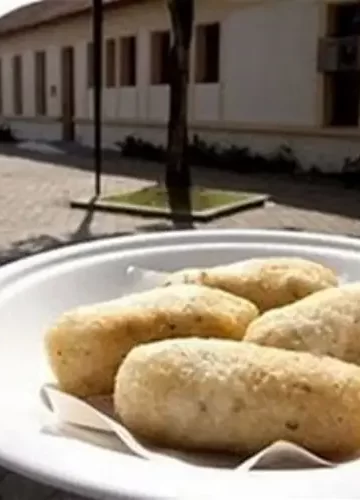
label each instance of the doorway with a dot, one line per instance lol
(345, 99)
(342, 88)
(68, 93)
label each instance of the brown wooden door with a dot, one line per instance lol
(68, 93)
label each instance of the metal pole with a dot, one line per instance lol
(97, 80)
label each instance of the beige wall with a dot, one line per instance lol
(268, 65)
(268, 80)
(144, 102)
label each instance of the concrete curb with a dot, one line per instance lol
(197, 216)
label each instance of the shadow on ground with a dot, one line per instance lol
(320, 195)
(44, 242)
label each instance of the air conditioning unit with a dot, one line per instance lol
(339, 54)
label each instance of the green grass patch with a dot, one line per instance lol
(201, 198)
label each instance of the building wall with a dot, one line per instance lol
(269, 92)
(269, 64)
(141, 103)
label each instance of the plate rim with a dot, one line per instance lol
(162, 238)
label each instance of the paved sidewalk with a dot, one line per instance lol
(34, 216)
(35, 189)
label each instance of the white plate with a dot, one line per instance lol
(34, 291)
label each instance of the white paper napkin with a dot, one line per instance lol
(97, 414)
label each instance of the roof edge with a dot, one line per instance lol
(47, 12)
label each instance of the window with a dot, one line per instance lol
(40, 83)
(1, 89)
(90, 65)
(160, 48)
(17, 85)
(208, 53)
(343, 19)
(110, 63)
(341, 99)
(128, 56)
(341, 88)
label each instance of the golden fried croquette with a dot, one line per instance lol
(226, 396)
(86, 346)
(327, 322)
(268, 283)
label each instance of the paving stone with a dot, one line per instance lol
(15, 487)
(60, 495)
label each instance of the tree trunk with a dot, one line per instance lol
(178, 176)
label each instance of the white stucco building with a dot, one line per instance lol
(255, 76)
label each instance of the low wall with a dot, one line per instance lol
(325, 149)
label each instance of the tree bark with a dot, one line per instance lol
(178, 175)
